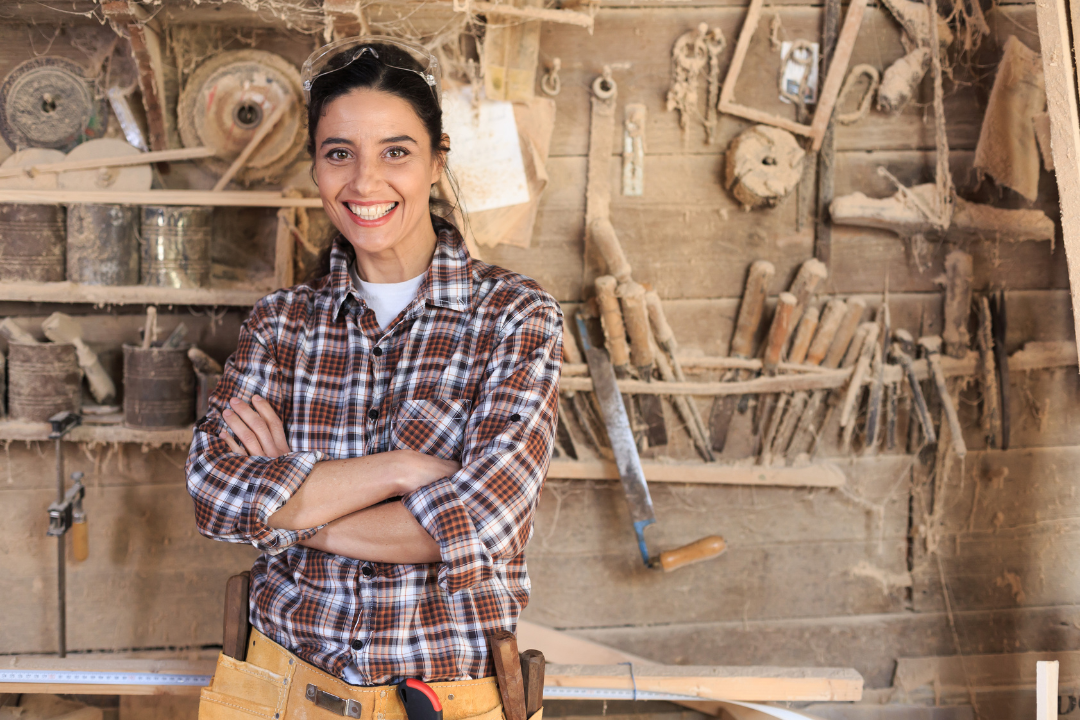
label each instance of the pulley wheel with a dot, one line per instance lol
(762, 165)
(124, 178)
(26, 158)
(225, 101)
(47, 102)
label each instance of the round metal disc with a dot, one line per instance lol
(26, 158)
(47, 102)
(225, 101)
(133, 178)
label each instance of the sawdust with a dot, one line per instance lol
(1012, 582)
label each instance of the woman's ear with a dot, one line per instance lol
(440, 158)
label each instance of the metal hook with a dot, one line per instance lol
(604, 87)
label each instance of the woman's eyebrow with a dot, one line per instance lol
(399, 138)
(336, 141)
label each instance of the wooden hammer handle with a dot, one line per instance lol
(704, 549)
(811, 274)
(603, 236)
(827, 327)
(779, 331)
(636, 319)
(803, 334)
(751, 308)
(504, 653)
(612, 321)
(844, 335)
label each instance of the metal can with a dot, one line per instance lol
(103, 244)
(176, 246)
(31, 243)
(43, 379)
(159, 387)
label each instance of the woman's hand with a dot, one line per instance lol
(256, 426)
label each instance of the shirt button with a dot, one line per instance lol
(373, 414)
(357, 644)
(515, 417)
(377, 352)
(367, 571)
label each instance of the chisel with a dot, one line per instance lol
(998, 315)
(932, 346)
(833, 397)
(877, 382)
(583, 409)
(628, 463)
(854, 391)
(636, 319)
(779, 331)
(901, 350)
(611, 320)
(804, 333)
(742, 345)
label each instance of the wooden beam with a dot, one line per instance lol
(139, 159)
(117, 433)
(67, 292)
(566, 17)
(813, 475)
(225, 198)
(1059, 72)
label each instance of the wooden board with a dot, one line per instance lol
(816, 475)
(67, 292)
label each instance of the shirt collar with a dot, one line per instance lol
(448, 283)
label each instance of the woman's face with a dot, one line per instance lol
(375, 168)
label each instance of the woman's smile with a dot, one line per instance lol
(371, 214)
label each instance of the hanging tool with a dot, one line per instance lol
(686, 406)
(877, 379)
(61, 328)
(747, 323)
(779, 332)
(66, 514)
(998, 317)
(800, 346)
(990, 419)
(584, 411)
(636, 319)
(902, 348)
(932, 345)
(629, 464)
(957, 311)
(851, 357)
(611, 320)
(854, 392)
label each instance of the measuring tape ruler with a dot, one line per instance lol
(580, 693)
(79, 677)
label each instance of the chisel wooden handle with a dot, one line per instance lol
(603, 236)
(829, 323)
(570, 351)
(800, 345)
(636, 320)
(958, 272)
(704, 549)
(779, 331)
(811, 274)
(844, 335)
(750, 310)
(532, 675)
(665, 336)
(854, 388)
(611, 320)
(932, 345)
(504, 653)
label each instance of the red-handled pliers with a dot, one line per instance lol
(420, 701)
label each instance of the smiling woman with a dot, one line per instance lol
(383, 431)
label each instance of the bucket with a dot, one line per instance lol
(43, 379)
(103, 244)
(176, 246)
(31, 243)
(159, 387)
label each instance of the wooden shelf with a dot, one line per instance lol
(819, 474)
(221, 198)
(22, 430)
(68, 292)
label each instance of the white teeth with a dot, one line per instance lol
(372, 212)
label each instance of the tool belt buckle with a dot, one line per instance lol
(326, 701)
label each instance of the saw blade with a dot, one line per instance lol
(47, 102)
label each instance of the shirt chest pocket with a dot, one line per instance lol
(432, 427)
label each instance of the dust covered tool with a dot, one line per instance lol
(229, 98)
(65, 514)
(629, 464)
(47, 102)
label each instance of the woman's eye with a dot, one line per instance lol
(337, 154)
(397, 153)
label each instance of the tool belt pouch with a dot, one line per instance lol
(241, 690)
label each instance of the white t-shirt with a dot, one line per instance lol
(386, 300)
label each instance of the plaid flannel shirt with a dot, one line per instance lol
(468, 371)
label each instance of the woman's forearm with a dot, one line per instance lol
(385, 533)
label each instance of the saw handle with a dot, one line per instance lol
(704, 549)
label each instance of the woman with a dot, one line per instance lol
(381, 433)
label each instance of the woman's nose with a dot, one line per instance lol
(365, 177)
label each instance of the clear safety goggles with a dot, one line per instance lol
(323, 60)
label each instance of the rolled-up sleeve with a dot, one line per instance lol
(483, 514)
(236, 494)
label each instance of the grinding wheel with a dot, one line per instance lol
(47, 102)
(225, 101)
(26, 158)
(130, 178)
(762, 165)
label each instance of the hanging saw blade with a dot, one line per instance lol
(622, 439)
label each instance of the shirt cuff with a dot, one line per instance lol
(466, 561)
(267, 495)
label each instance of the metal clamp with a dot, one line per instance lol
(326, 701)
(63, 513)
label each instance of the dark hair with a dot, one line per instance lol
(392, 71)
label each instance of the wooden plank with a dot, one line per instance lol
(22, 430)
(1059, 72)
(815, 475)
(140, 159)
(103, 295)
(717, 683)
(224, 198)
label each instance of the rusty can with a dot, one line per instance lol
(176, 246)
(103, 244)
(43, 379)
(31, 243)
(159, 387)
(205, 384)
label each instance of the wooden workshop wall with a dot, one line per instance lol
(814, 577)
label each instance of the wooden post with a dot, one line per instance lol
(283, 248)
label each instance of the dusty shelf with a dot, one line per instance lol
(23, 430)
(68, 292)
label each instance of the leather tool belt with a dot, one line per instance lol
(274, 684)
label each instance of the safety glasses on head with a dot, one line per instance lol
(342, 53)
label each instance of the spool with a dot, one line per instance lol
(44, 379)
(103, 244)
(159, 387)
(31, 243)
(176, 246)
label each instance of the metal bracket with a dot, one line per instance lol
(326, 701)
(61, 514)
(63, 423)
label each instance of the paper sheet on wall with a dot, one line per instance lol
(485, 154)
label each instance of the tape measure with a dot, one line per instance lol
(78, 677)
